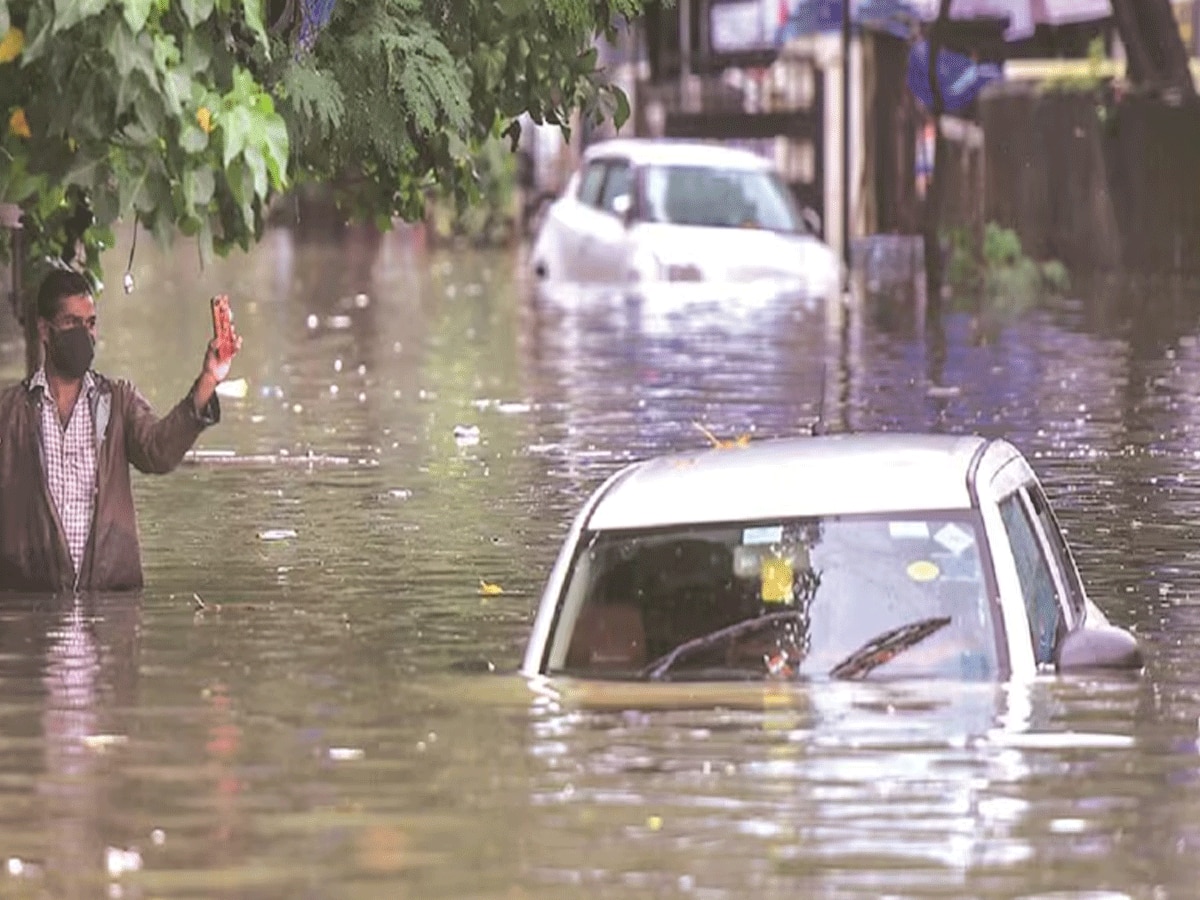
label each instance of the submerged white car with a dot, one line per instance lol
(646, 211)
(840, 556)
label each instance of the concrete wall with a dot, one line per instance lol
(1097, 182)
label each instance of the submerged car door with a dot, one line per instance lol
(573, 221)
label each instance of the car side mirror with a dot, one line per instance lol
(1101, 647)
(622, 205)
(811, 219)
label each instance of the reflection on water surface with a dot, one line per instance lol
(300, 703)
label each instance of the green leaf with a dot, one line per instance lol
(196, 11)
(105, 205)
(137, 133)
(176, 86)
(204, 242)
(68, 13)
(5, 21)
(197, 55)
(258, 168)
(621, 114)
(132, 53)
(137, 12)
(253, 11)
(235, 126)
(38, 28)
(200, 186)
(275, 143)
(193, 139)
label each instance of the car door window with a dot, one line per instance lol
(1060, 550)
(591, 182)
(1037, 580)
(618, 183)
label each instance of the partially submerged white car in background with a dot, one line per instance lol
(842, 556)
(646, 211)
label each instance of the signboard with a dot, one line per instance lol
(738, 26)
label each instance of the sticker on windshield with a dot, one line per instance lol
(764, 534)
(923, 570)
(908, 530)
(954, 538)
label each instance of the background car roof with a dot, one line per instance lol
(658, 151)
(806, 476)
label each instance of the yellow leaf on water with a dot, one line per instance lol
(488, 589)
(11, 45)
(742, 440)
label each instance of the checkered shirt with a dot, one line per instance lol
(70, 455)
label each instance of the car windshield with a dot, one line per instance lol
(719, 198)
(849, 596)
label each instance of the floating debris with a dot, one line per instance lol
(235, 389)
(742, 440)
(488, 589)
(102, 742)
(276, 534)
(939, 391)
(119, 861)
(466, 435)
(345, 754)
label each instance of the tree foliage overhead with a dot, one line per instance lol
(192, 115)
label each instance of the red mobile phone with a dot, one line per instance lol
(222, 318)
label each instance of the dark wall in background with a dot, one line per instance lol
(1092, 180)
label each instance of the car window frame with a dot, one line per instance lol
(1075, 596)
(1065, 620)
(613, 164)
(581, 196)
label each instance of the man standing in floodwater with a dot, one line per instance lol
(67, 438)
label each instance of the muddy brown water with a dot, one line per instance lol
(314, 698)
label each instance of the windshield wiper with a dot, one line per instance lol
(888, 645)
(659, 667)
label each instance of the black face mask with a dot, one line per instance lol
(71, 350)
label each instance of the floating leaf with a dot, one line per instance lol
(488, 589)
(11, 45)
(18, 124)
(742, 440)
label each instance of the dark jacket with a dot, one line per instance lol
(33, 550)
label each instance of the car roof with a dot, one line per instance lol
(660, 151)
(839, 474)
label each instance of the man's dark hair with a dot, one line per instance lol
(57, 286)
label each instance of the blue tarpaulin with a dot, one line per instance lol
(896, 17)
(960, 78)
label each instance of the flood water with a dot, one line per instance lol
(314, 697)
